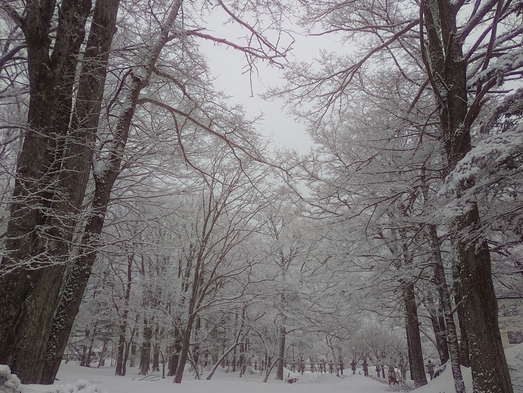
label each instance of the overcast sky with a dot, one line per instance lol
(228, 66)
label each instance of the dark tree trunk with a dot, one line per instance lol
(83, 362)
(156, 357)
(54, 152)
(132, 359)
(446, 304)
(173, 364)
(145, 351)
(489, 368)
(175, 356)
(281, 354)
(80, 150)
(447, 70)
(122, 347)
(42, 218)
(120, 356)
(234, 360)
(184, 353)
(417, 366)
(81, 271)
(464, 357)
(103, 353)
(440, 334)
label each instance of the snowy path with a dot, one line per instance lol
(220, 383)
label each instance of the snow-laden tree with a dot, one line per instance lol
(463, 55)
(65, 54)
(370, 188)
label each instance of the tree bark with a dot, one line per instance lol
(80, 150)
(81, 271)
(487, 356)
(452, 337)
(440, 334)
(44, 212)
(417, 366)
(447, 70)
(122, 357)
(174, 359)
(281, 354)
(156, 357)
(145, 350)
(184, 353)
(464, 357)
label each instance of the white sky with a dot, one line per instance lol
(284, 131)
(228, 66)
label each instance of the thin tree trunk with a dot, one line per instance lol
(174, 359)
(103, 353)
(120, 355)
(121, 360)
(270, 367)
(443, 290)
(132, 357)
(281, 354)
(464, 357)
(440, 334)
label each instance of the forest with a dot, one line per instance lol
(148, 222)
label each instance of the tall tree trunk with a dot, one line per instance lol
(80, 150)
(44, 211)
(103, 353)
(447, 71)
(443, 290)
(131, 348)
(81, 270)
(417, 366)
(120, 354)
(440, 334)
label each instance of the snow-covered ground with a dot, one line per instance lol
(72, 379)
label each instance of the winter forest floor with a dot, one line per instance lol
(72, 379)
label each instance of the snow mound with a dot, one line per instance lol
(445, 383)
(515, 364)
(10, 383)
(82, 386)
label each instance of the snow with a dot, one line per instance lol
(75, 379)
(488, 153)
